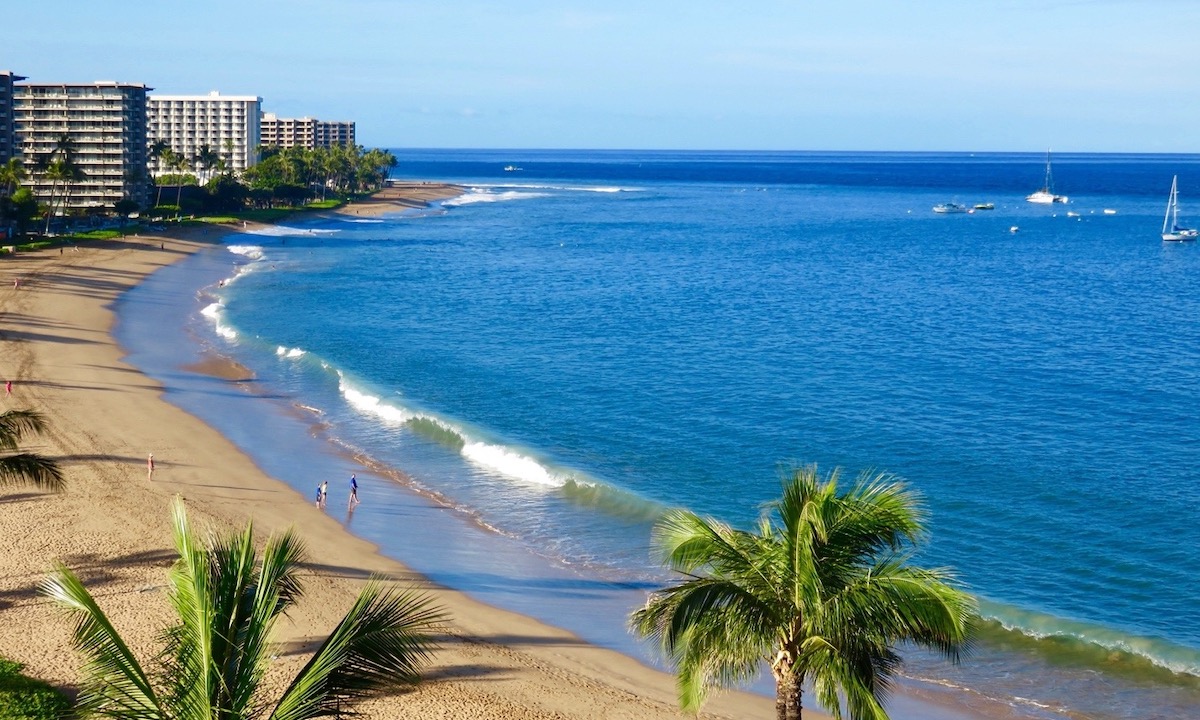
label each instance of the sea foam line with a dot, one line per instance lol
(482, 195)
(492, 457)
(568, 188)
(287, 231)
(215, 313)
(254, 252)
(1039, 626)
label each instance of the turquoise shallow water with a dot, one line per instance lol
(569, 348)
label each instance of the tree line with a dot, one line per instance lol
(203, 182)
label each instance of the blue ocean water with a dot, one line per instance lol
(587, 338)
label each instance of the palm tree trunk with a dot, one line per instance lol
(787, 697)
(50, 206)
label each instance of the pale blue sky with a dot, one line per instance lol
(1074, 75)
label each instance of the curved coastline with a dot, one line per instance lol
(538, 666)
(112, 527)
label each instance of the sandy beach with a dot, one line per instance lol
(111, 524)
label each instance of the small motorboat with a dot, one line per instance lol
(950, 208)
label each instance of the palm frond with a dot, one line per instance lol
(715, 632)
(188, 657)
(31, 469)
(114, 684)
(257, 593)
(378, 646)
(15, 424)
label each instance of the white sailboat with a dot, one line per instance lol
(1171, 231)
(1046, 196)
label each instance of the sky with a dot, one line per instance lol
(905, 75)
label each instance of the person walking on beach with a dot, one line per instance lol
(150, 467)
(324, 492)
(353, 491)
(320, 497)
(8, 388)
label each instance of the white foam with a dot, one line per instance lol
(286, 231)
(284, 352)
(483, 196)
(509, 463)
(254, 252)
(362, 220)
(374, 406)
(214, 312)
(568, 188)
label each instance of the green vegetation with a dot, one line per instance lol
(822, 593)
(289, 179)
(18, 468)
(217, 653)
(24, 698)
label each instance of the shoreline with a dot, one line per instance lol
(111, 525)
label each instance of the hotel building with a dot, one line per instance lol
(305, 132)
(333, 132)
(106, 125)
(8, 136)
(227, 124)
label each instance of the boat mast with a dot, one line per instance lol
(1172, 206)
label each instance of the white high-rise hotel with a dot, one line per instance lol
(227, 124)
(104, 124)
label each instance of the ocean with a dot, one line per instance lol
(525, 376)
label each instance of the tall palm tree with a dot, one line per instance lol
(821, 592)
(217, 653)
(159, 150)
(59, 173)
(179, 163)
(25, 468)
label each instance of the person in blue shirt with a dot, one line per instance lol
(353, 490)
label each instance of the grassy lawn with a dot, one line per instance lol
(269, 215)
(23, 698)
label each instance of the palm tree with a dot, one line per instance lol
(159, 150)
(179, 163)
(821, 592)
(59, 172)
(25, 468)
(216, 654)
(207, 159)
(12, 173)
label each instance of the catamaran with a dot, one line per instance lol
(1171, 230)
(1046, 196)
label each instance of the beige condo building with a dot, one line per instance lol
(227, 124)
(105, 124)
(305, 132)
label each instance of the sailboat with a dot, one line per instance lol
(1171, 230)
(1046, 196)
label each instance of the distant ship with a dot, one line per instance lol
(1046, 196)
(511, 168)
